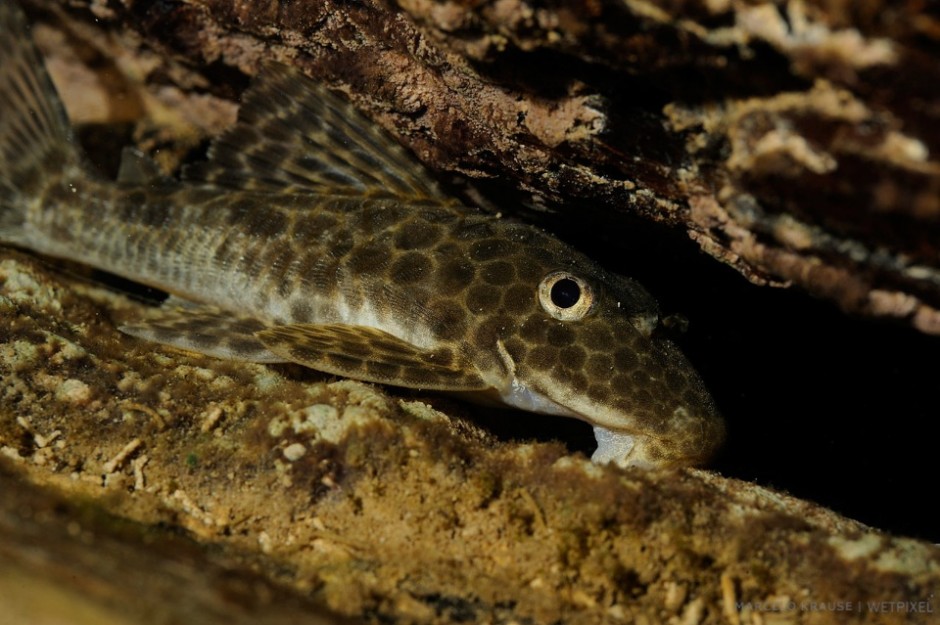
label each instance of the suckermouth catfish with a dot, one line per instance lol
(311, 236)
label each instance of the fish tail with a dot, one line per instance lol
(37, 146)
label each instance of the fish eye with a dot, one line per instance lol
(564, 296)
(565, 293)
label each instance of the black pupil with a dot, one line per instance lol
(565, 293)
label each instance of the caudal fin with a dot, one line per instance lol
(36, 143)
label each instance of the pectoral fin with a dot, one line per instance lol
(206, 330)
(372, 355)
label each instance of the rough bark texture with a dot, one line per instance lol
(67, 561)
(794, 141)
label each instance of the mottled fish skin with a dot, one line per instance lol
(310, 236)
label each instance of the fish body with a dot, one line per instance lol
(310, 236)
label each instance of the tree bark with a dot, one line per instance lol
(71, 562)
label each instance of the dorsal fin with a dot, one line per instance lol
(37, 148)
(294, 133)
(138, 168)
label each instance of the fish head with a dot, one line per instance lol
(578, 341)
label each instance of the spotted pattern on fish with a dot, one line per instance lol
(310, 236)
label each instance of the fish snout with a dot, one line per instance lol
(664, 417)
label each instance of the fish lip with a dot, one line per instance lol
(694, 443)
(678, 446)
